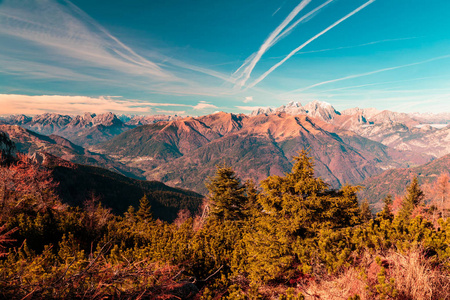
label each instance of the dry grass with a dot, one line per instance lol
(414, 276)
(348, 284)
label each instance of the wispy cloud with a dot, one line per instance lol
(308, 16)
(12, 104)
(78, 45)
(251, 63)
(280, 32)
(275, 12)
(67, 30)
(376, 83)
(259, 79)
(371, 73)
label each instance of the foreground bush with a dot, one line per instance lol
(292, 238)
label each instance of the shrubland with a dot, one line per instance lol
(291, 237)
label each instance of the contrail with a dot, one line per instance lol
(289, 29)
(308, 42)
(280, 36)
(370, 73)
(353, 46)
(268, 42)
(370, 84)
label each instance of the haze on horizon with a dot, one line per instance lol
(199, 57)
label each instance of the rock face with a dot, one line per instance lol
(145, 120)
(315, 109)
(7, 147)
(185, 152)
(413, 132)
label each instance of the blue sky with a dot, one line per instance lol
(196, 57)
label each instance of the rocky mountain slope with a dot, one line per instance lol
(29, 142)
(83, 130)
(414, 132)
(185, 152)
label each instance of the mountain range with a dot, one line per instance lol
(420, 133)
(84, 130)
(348, 146)
(185, 152)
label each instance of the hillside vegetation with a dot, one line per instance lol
(394, 181)
(289, 238)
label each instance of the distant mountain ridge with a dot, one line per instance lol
(29, 142)
(185, 152)
(84, 130)
(325, 111)
(402, 131)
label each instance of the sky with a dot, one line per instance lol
(195, 57)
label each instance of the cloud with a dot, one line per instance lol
(203, 105)
(80, 48)
(248, 99)
(69, 31)
(353, 46)
(24, 104)
(259, 79)
(250, 64)
(305, 17)
(377, 83)
(279, 33)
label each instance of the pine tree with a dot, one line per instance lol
(144, 211)
(297, 208)
(413, 198)
(226, 195)
(366, 213)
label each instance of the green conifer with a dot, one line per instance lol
(226, 195)
(366, 213)
(144, 211)
(413, 198)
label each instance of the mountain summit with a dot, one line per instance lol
(316, 109)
